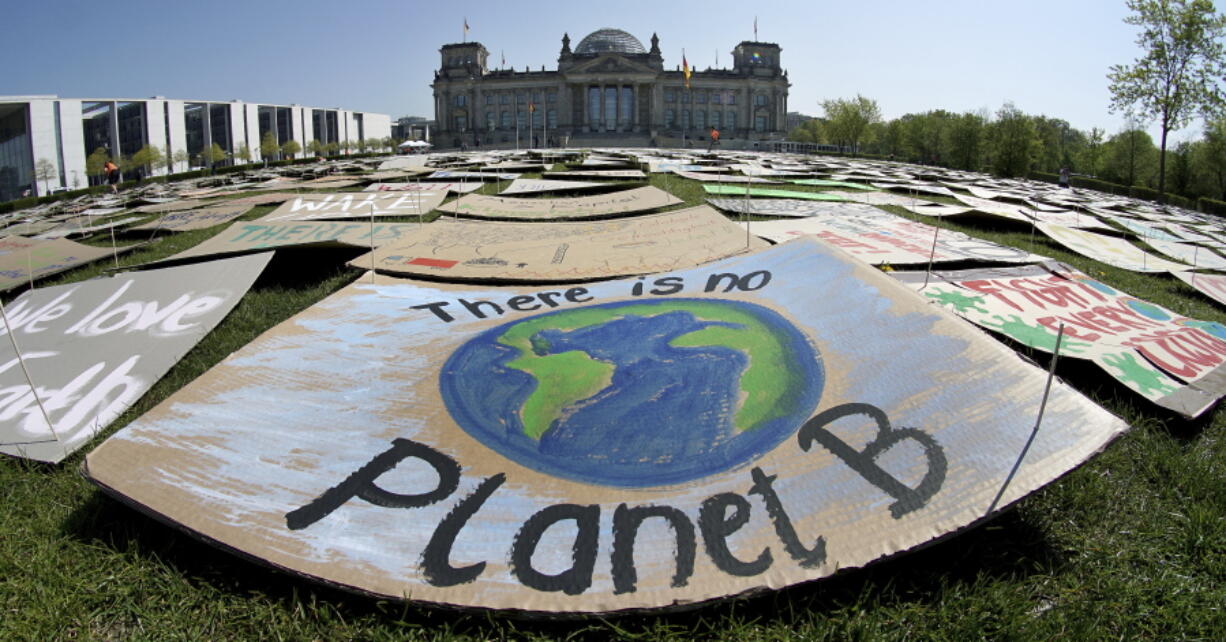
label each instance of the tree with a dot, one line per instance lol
(1089, 160)
(316, 147)
(95, 163)
(965, 141)
(1129, 156)
(1180, 168)
(332, 148)
(1014, 142)
(212, 155)
(268, 147)
(1177, 75)
(180, 156)
(44, 170)
(244, 153)
(1212, 156)
(162, 161)
(290, 148)
(146, 157)
(847, 120)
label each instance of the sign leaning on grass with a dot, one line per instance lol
(1174, 361)
(345, 205)
(93, 348)
(634, 444)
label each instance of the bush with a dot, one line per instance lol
(1102, 186)
(1211, 206)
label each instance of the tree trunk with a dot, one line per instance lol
(1162, 165)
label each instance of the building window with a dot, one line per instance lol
(551, 97)
(685, 119)
(489, 99)
(538, 117)
(729, 97)
(670, 117)
(759, 123)
(610, 108)
(760, 100)
(551, 119)
(461, 122)
(730, 121)
(625, 110)
(670, 95)
(700, 97)
(700, 119)
(593, 106)
(715, 97)
(461, 100)
(504, 99)
(489, 120)
(505, 121)
(685, 96)
(536, 97)
(715, 118)
(521, 119)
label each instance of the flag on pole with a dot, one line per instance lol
(465, 28)
(531, 107)
(755, 28)
(685, 69)
(504, 59)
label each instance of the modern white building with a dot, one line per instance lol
(63, 132)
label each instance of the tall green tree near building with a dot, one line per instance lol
(848, 120)
(1177, 76)
(95, 162)
(290, 148)
(1014, 142)
(147, 157)
(268, 147)
(244, 153)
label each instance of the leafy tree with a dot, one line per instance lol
(1212, 156)
(1179, 170)
(1177, 75)
(180, 157)
(965, 138)
(269, 147)
(44, 170)
(809, 131)
(924, 133)
(212, 155)
(1014, 142)
(1130, 156)
(146, 157)
(332, 148)
(847, 120)
(95, 163)
(162, 160)
(244, 153)
(315, 147)
(290, 148)
(1089, 158)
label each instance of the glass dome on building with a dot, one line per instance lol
(610, 40)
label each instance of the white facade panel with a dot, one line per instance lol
(377, 125)
(253, 130)
(43, 141)
(178, 133)
(238, 129)
(155, 127)
(72, 144)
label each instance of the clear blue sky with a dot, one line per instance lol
(1047, 56)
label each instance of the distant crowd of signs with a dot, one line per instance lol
(361, 378)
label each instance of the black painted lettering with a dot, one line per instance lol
(437, 309)
(578, 577)
(668, 285)
(436, 557)
(715, 280)
(908, 499)
(548, 298)
(807, 557)
(573, 295)
(637, 290)
(626, 522)
(717, 526)
(523, 303)
(746, 283)
(474, 307)
(361, 484)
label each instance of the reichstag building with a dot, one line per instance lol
(608, 88)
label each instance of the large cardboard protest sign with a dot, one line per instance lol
(1113, 251)
(1176, 362)
(789, 207)
(881, 237)
(728, 190)
(93, 348)
(715, 177)
(257, 236)
(1210, 285)
(598, 174)
(634, 444)
(186, 220)
(79, 227)
(562, 251)
(540, 186)
(1194, 255)
(429, 186)
(342, 205)
(639, 199)
(20, 257)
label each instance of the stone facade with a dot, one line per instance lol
(608, 85)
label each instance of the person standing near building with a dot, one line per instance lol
(1064, 176)
(714, 138)
(112, 176)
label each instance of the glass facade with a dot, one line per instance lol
(219, 126)
(285, 126)
(96, 124)
(132, 128)
(195, 116)
(16, 157)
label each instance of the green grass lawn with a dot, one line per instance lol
(1131, 545)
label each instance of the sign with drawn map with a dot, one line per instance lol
(1174, 361)
(561, 251)
(648, 443)
(93, 348)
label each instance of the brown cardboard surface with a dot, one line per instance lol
(639, 199)
(93, 348)
(569, 251)
(186, 220)
(711, 432)
(256, 236)
(19, 256)
(350, 205)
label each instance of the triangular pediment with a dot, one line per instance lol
(610, 63)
